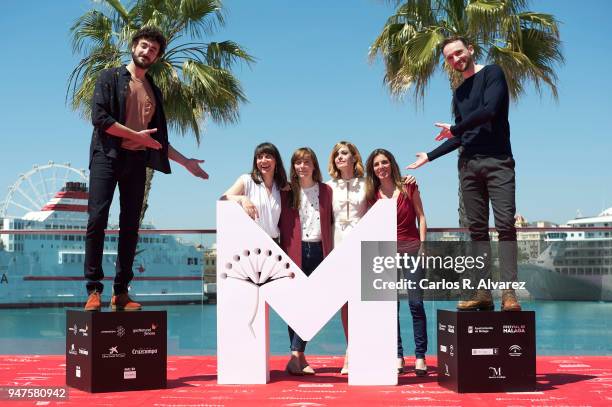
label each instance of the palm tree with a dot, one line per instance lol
(195, 77)
(525, 44)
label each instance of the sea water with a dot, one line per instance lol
(562, 328)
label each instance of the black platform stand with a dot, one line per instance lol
(116, 351)
(486, 351)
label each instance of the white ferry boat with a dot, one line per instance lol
(44, 267)
(576, 264)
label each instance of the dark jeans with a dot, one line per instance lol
(491, 178)
(417, 310)
(312, 256)
(127, 170)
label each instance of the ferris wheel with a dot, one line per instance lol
(35, 188)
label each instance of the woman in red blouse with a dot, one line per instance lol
(383, 181)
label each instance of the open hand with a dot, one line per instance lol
(193, 166)
(421, 159)
(445, 133)
(144, 138)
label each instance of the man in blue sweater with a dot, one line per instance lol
(486, 166)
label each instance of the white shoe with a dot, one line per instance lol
(420, 367)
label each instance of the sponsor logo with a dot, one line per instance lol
(451, 329)
(84, 330)
(514, 329)
(441, 327)
(485, 351)
(479, 329)
(443, 348)
(113, 352)
(496, 373)
(119, 331)
(144, 351)
(452, 350)
(83, 351)
(77, 371)
(446, 373)
(73, 329)
(515, 350)
(72, 350)
(146, 331)
(129, 373)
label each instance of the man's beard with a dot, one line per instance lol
(141, 65)
(468, 64)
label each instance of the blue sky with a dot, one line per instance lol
(312, 85)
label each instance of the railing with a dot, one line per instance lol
(214, 231)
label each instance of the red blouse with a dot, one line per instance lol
(407, 230)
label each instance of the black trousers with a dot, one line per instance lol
(128, 171)
(484, 179)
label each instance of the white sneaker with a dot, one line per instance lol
(420, 367)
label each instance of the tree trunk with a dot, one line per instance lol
(145, 201)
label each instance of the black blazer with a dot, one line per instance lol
(108, 107)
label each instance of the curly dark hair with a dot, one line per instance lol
(151, 34)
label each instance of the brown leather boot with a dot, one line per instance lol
(123, 302)
(93, 302)
(509, 301)
(482, 301)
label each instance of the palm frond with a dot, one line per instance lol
(540, 21)
(201, 17)
(420, 57)
(83, 77)
(217, 88)
(525, 43)
(119, 9)
(483, 17)
(194, 77)
(93, 29)
(226, 54)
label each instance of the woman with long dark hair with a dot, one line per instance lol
(383, 181)
(259, 192)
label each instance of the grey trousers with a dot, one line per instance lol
(484, 179)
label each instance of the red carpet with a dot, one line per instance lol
(562, 381)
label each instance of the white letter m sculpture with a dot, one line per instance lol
(253, 272)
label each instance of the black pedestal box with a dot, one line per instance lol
(482, 351)
(116, 351)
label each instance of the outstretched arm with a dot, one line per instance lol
(191, 164)
(452, 142)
